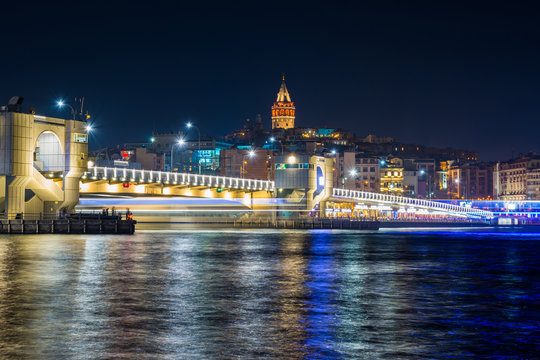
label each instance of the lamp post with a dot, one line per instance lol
(273, 140)
(250, 154)
(180, 142)
(190, 125)
(61, 104)
(352, 173)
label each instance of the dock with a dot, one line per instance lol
(70, 224)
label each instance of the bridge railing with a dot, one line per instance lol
(176, 178)
(405, 201)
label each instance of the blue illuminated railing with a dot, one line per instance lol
(175, 178)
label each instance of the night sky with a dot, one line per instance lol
(458, 75)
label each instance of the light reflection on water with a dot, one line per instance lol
(270, 294)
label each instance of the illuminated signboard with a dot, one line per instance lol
(80, 138)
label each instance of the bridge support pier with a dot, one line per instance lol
(33, 150)
(15, 189)
(71, 191)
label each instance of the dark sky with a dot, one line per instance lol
(457, 75)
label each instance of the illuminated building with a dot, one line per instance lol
(392, 177)
(205, 154)
(533, 184)
(283, 109)
(324, 135)
(517, 179)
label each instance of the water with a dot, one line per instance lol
(270, 294)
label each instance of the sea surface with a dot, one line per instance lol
(245, 294)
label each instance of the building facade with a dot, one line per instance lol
(247, 163)
(392, 177)
(359, 172)
(516, 179)
(283, 110)
(470, 181)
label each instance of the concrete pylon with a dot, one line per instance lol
(76, 165)
(16, 188)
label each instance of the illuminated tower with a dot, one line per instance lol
(283, 109)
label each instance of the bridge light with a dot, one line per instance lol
(90, 163)
(181, 141)
(189, 124)
(60, 103)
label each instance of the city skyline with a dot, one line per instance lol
(468, 82)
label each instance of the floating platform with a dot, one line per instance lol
(70, 225)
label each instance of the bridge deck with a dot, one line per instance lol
(364, 196)
(176, 178)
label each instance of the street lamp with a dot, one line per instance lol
(273, 140)
(190, 125)
(333, 152)
(180, 142)
(61, 104)
(352, 173)
(88, 128)
(250, 155)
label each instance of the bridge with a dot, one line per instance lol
(43, 170)
(408, 203)
(123, 181)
